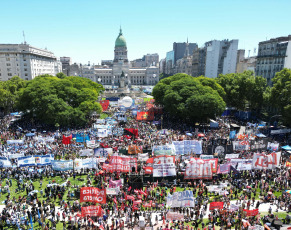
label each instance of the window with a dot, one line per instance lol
(7, 59)
(8, 64)
(26, 74)
(7, 55)
(25, 69)
(25, 64)
(8, 69)
(9, 74)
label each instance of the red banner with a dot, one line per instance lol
(145, 116)
(253, 212)
(122, 164)
(91, 194)
(67, 140)
(134, 149)
(216, 205)
(104, 104)
(128, 197)
(288, 164)
(92, 211)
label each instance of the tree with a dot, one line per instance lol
(68, 101)
(9, 93)
(280, 96)
(243, 90)
(187, 98)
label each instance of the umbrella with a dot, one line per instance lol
(286, 147)
(30, 134)
(288, 191)
(249, 186)
(201, 135)
(189, 134)
(260, 135)
(270, 193)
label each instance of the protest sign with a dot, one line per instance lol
(91, 194)
(115, 183)
(260, 144)
(143, 156)
(224, 168)
(273, 146)
(102, 152)
(164, 166)
(180, 199)
(91, 211)
(263, 161)
(174, 216)
(62, 165)
(216, 205)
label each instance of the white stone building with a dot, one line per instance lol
(26, 61)
(110, 75)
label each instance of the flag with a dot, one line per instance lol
(67, 140)
(130, 132)
(104, 104)
(145, 116)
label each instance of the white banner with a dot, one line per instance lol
(181, 199)
(231, 156)
(263, 161)
(273, 146)
(11, 142)
(206, 157)
(44, 160)
(112, 191)
(103, 152)
(85, 163)
(168, 149)
(62, 165)
(143, 156)
(164, 166)
(86, 152)
(100, 121)
(15, 155)
(198, 169)
(5, 163)
(102, 133)
(91, 144)
(26, 161)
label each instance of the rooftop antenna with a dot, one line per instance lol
(249, 53)
(24, 37)
(255, 51)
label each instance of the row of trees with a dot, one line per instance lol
(202, 98)
(68, 101)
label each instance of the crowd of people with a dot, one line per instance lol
(50, 199)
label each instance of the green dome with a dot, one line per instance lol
(120, 40)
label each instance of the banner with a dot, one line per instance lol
(92, 211)
(263, 161)
(232, 134)
(11, 142)
(122, 164)
(213, 161)
(260, 144)
(100, 121)
(67, 140)
(288, 164)
(5, 163)
(143, 156)
(233, 208)
(85, 163)
(112, 191)
(273, 146)
(220, 149)
(216, 205)
(134, 149)
(104, 104)
(164, 166)
(91, 194)
(62, 165)
(188, 146)
(81, 138)
(224, 169)
(15, 155)
(241, 164)
(180, 199)
(198, 169)
(115, 183)
(241, 145)
(253, 212)
(205, 157)
(86, 152)
(102, 152)
(174, 216)
(91, 144)
(231, 156)
(26, 161)
(168, 149)
(44, 160)
(145, 116)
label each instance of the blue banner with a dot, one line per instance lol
(62, 165)
(82, 138)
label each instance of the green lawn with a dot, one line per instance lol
(45, 182)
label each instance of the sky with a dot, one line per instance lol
(85, 30)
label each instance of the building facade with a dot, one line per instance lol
(121, 67)
(26, 61)
(179, 49)
(273, 56)
(66, 62)
(244, 64)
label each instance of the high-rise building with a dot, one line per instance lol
(26, 61)
(66, 62)
(110, 76)
(273, 56)
(198, 62)
(179, 49)
(220, 57)
(170, 59)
